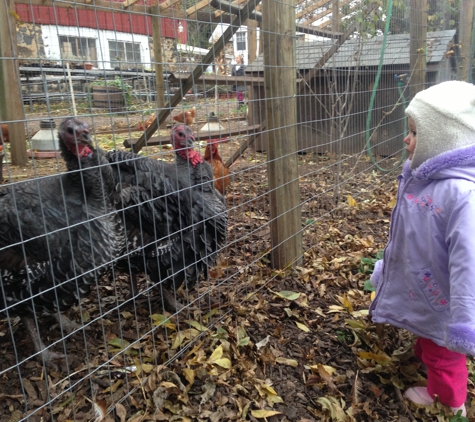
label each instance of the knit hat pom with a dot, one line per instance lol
(444, 115)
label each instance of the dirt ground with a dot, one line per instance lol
(252, 343)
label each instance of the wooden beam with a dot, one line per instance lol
(325, 13)
(278, 33)
(197, 72)
(11, 106)
(236, 2)
(221, 79)
(199, 136)
(256, 132)
(465, 38)
(417, 45)
(328, 22)
(251, 40)
(168, 4)
(336, 15)
(331, 51)
(198, 6)
(310, 9)
(158, 57)
(231, 8)
(128, 3)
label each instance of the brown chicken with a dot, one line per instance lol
(5, 135)
(143, 126)
(220, 172)
(187, 117)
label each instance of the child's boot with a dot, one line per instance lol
(420, 396)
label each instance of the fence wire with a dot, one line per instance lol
(129, 284)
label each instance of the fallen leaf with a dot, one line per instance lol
(262, 413)
(287, 294)
(290, 362)
(303, 327)
(263, 342)
(120, 412)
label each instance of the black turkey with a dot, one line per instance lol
(58, 234)
(174, 225)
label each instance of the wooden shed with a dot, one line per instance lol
(340, 94)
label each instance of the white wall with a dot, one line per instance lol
(51, 34)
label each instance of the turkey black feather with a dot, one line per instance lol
(58, 234)
(174, 224)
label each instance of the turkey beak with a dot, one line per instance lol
(190, 140)
(85, 138)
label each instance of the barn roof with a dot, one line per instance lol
(396, 52)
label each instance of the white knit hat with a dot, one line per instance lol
(444, 115)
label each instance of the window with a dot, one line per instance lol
(122, 51)
(240, 40)
(78, 48)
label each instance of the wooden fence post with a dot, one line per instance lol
(465, 38)
(158, 59)
(11, 105)
(278, 36)
(418, 45)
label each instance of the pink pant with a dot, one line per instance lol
(447, 373)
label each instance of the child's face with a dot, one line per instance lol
(411, 138)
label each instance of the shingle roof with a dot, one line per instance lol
(396, 52)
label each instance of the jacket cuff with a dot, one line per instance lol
(461, 338)
(377, 273)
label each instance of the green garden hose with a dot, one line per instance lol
(373, 96)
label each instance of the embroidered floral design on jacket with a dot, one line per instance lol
(432, 291)
(424, 202)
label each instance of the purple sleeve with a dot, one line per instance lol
(377, 273)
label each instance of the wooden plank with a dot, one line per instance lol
(251, 40)
(158, 57)
(336, 15)
(331, 51)
(465, 38)
(11, 105)
(168, 4)
(417, 45)
(310, 9)
(222, 79)
(246, 143)
(128, 3)
(278, 32)
(231, 8)
(198, 6)
(237, 2)
(325, 13)
(199, 136)
(197, 72)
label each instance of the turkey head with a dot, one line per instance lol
(74, 134)
(183, 139)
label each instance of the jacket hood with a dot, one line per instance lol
(459, 163)
(444, 115)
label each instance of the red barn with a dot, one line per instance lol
(104, 37)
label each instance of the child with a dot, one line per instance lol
(426, 279)
(238, 70)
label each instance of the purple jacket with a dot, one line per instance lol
(426, 279)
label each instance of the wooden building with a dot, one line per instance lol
(333, 108)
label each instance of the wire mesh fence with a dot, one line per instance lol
(167, 168)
